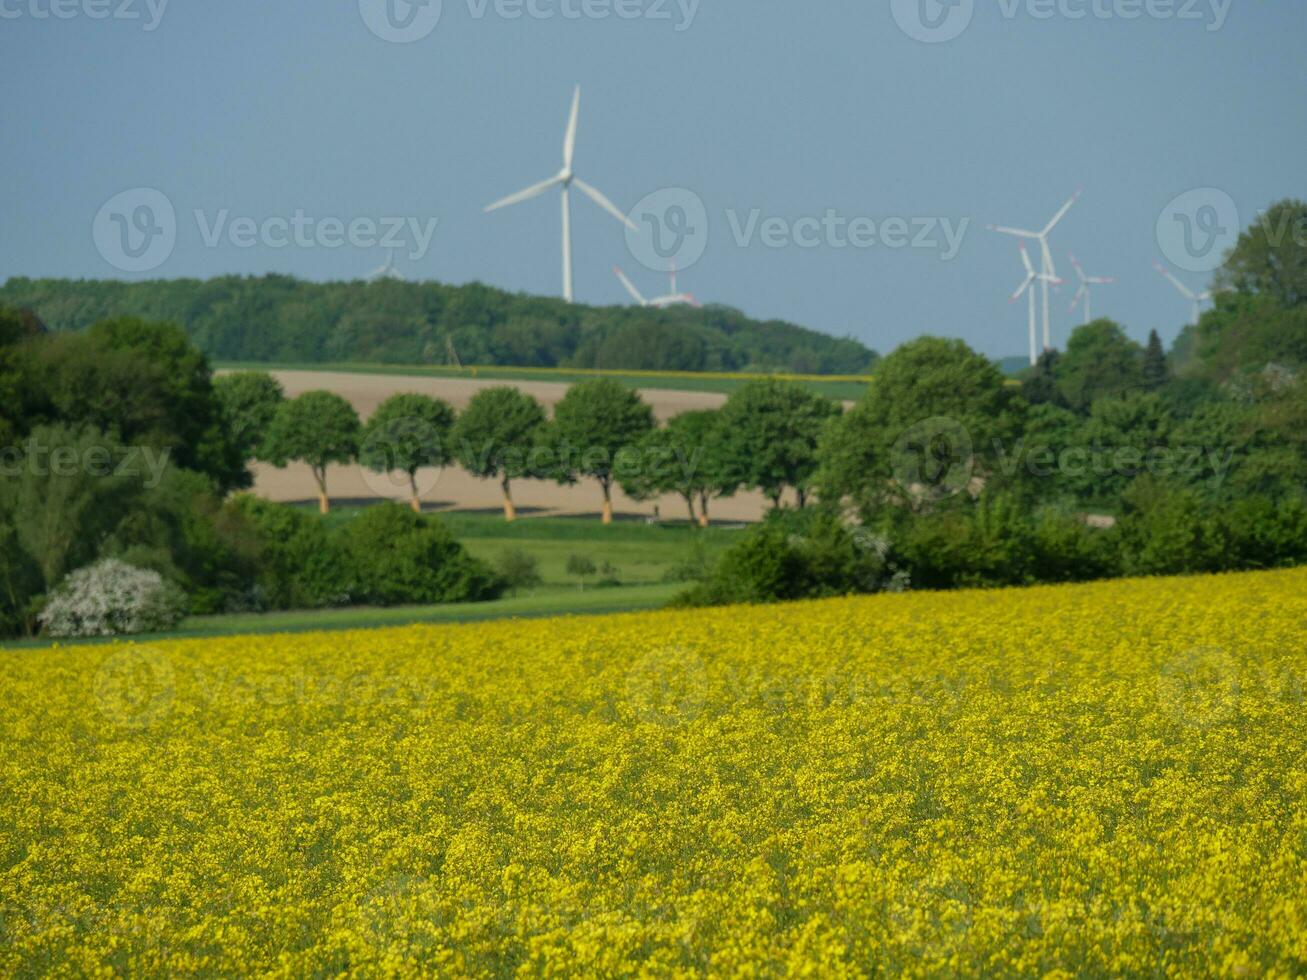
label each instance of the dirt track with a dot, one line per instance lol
(454, 488)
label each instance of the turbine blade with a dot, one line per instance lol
(1080, 294)
(1184, 290)
(1014, 231)
(1024, 286)
(1079, 271)
(1025, 258)
(630, 286)
(533, 191)
(604, 203)
(569, 141)
(1062, 213)
(1049, 268)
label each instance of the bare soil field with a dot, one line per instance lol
(454, 488)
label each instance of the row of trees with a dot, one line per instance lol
(765, 438)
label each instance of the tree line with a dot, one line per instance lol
(1110, 458)
(282, 319)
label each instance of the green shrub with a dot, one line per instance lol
(302, 565)
(797, 555)
(518, 569)
(20, 586)
(401, 558)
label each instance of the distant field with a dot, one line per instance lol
(839, 387)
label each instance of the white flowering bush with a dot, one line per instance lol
(111, 598)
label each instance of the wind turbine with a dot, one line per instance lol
(1198, 299)
(1031, 277)
(387, 271)
(1048, 268)
(1084, 291)
(564, 180)
(662, 302)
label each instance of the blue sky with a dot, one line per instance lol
(770, 113)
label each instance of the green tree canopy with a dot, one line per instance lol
(683, 457)
(1100, 360)
(1156, 371)
(66, 491)
(935, 418)
(495, 435)
(592, 424)
(407, 433)
(317, 428)
(1243, 333)
(769, 435)
(1270, 258)
(249, 401)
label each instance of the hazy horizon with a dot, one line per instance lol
(791, 128)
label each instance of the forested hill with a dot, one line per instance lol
(279, 318)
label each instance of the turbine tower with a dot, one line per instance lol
(1031, 277)
(387, 271)
(1085, 283)
(1047, 267)
(1198, 299)
(564, 180)
(661, 302)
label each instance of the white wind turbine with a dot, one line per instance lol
(1085, 283)
(387, 271)
(1047, 267)
(673, 298)
(1031, 277)
(1198, 299)
(564, 180)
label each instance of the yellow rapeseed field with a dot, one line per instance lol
(1079, 781)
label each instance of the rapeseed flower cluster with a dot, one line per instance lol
(1064, 781)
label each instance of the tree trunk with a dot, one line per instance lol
(703, 510)
(775, 500)
(324, 502)
(608, 501)
(803, 497)
(414, 502)
(510, 512)
(689, 502)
